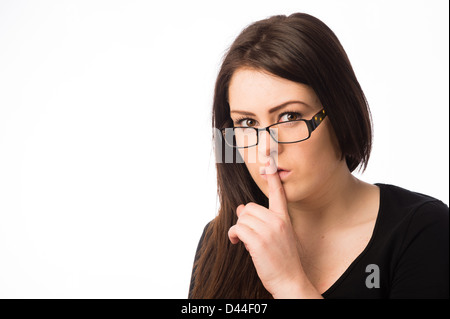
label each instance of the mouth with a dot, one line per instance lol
(282, 173)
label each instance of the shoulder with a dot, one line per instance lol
(415, 229)
(203, 238)
(205, 234)
(405, 197)
(412, 219)
(399, 204)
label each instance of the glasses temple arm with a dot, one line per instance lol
(317, 119)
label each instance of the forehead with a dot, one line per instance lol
(257, 91)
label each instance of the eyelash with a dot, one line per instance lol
(239, 120)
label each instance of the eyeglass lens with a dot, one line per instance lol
(285, 132)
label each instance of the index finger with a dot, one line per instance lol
(277, 197)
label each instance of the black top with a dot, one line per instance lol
(407, 255)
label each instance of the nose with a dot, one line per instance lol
(267, 146)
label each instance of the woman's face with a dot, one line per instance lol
(307, 164)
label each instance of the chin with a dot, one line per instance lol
(292, 195)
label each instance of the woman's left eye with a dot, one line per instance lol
(290, 116)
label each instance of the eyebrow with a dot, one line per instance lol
(272, 110)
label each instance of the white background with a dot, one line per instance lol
(92, 205)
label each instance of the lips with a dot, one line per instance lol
(279, 169)
(282, 173)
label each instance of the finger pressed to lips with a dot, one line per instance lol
(277, 197)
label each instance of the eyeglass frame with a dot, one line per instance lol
(312, 124)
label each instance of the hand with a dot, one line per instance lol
(270, 239)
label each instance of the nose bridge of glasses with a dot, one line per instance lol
(267, 140)
(273, 132)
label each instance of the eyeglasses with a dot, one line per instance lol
(283, 132)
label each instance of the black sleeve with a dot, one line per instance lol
(200, 243)
(423, 267)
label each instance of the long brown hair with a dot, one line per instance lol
(300, 48)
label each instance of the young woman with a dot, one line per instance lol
(293, 221)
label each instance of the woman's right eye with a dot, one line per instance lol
(245, 122)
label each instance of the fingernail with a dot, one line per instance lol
(262, 170)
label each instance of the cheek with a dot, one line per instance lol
(322, 147)
(253, 164)
(251, 160)
(315, 161)
(250, 156)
